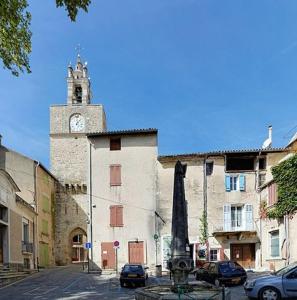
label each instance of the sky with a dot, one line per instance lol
(210, 75)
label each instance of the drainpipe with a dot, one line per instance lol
(91, 200)
(35, 248)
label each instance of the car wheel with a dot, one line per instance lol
(269, 293)
(217, 283)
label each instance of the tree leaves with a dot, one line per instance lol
(15, 34)
(72, 6)
(285, 176)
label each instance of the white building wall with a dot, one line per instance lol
(137, 158)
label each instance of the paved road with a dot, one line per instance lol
(72, 283)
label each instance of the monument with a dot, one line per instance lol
(181, 263)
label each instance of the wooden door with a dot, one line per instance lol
(136, 253)
(108, 255)
(244, 254)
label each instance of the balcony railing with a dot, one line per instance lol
(233, 227)
(27, 247)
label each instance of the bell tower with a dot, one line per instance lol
(78, 84)
(69, 125)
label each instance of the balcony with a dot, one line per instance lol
(233, 228)
(27, 247)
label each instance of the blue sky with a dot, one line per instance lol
(208, 74)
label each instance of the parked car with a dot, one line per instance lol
(222, 272)
(278, 285)
(133, 274)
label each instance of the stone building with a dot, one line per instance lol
(17, 221)
(224, 184)
(69, 125)
(123, 179)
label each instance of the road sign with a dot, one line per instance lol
(116, 244)
(156, 237)
(88, 245)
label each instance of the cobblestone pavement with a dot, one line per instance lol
(72, 283)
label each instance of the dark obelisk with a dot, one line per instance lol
(180, 264)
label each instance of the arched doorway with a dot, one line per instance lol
(78, 239)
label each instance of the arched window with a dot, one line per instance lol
(78, 94)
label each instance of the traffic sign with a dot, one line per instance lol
(116, 244)
(156, 237)
(88, 245)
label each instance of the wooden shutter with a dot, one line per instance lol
(227, 217)
(249, 217)
(113, 218)
(272, 194)
(228, 183)
(115, 175)
(116, 216)
(241, 182)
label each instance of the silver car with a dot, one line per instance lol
(278, 285)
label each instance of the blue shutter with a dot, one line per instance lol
(242, 182)
(228, 183)
(249, 220)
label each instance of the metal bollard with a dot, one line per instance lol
(223, 292)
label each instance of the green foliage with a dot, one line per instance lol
(72, 6)
(285, 176)
(15, 34)
(203, 229)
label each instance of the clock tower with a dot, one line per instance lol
(69, 124)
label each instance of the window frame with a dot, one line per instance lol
(112, 182)
(210, 254)
(114, 209)
(113, 146)
(270, 244)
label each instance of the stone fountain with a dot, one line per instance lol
(181, 263)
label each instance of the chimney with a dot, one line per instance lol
(270, 133)
(0, 139)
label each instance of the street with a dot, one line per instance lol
(72, 283)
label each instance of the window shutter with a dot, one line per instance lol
(242, 182)
(227, 217)
(249, 217)
(119, 216)
(228, 183)
(113, 218)
(115, 175)
(222, 255)
(272, 194)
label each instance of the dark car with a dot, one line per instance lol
(222, 272)
(133, 274)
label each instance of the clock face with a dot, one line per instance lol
(77, 123)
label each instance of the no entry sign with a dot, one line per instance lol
(116, 244)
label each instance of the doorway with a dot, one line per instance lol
(108, 255)
(244, 254)
(136, 252)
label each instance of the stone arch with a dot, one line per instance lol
(76, 242)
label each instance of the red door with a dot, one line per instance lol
(244, 254)
(108, 255)
(136, 253)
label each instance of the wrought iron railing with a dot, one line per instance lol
(27, 247)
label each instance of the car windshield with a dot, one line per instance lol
(229, 266)
(132, 268)
(286, 269)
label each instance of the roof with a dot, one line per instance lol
(10, 179)
(222, 152)
(124, 132)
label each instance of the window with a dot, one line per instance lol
(44, 227)
(235, 183)
(45, 204)
(262, 179)
(262, 163)
(78, 94)
(236, 216)
(240, 164)
(115, 144)
(272, 194)
(209, 167)
(274, 243)
(77, 239)
(3, 214)
(116, 216)
(25, 230)
(213, 254)
(115, 175)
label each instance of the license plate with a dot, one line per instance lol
(236, 280)
(132, 275)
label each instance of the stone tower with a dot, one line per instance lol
(69, 124)
(69, 148)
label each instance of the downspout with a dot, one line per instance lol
(259, 204)
(35, 218)
(91, 200)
